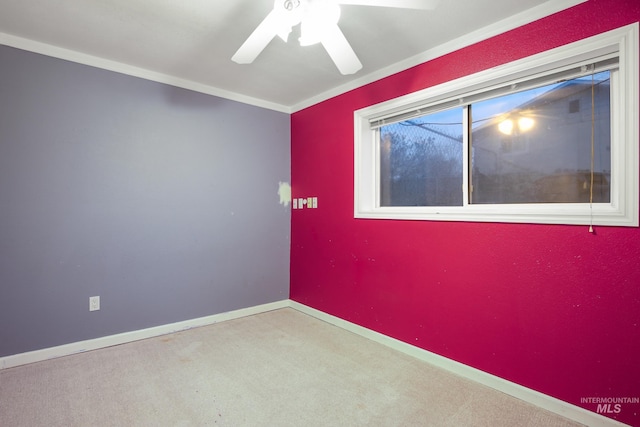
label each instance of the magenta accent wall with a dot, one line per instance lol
(553, 308)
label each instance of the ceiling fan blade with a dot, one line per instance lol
(259, 39)
(403, 4)
(340, 50)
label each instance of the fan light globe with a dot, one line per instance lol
(318, 15)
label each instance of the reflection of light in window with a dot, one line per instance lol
(506, 126)
(524, 124)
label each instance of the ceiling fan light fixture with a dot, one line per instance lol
(318, 19)
(289, 16)
(319, 24)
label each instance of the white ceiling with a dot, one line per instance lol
(189, 43)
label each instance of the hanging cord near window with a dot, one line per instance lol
(593, 131)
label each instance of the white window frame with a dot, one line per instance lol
(623, 207)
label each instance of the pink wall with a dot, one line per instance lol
(553, 308)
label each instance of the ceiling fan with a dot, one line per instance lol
(318, 21)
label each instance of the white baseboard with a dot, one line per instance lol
(111, 340)
(533, 397)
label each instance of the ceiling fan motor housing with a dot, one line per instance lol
(291, 4)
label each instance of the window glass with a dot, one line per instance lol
(535, 146)
(421, 161)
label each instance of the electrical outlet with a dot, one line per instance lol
(94, 303)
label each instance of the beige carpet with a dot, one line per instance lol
(281, 368)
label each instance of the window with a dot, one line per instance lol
(549, 139)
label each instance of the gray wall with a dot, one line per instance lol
(161, 200)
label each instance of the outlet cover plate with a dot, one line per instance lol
(94, 303)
